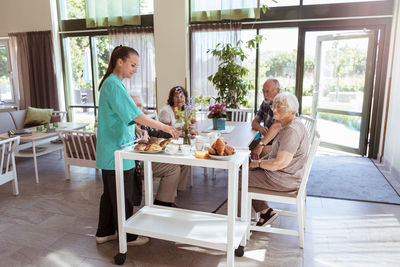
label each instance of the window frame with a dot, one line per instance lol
(14, 93)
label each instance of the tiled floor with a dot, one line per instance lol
(53, 224)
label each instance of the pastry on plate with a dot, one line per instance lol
(140, 147)
(212, 151)
(228, 150)
(153, 147)
(164, 143)
(219, 146)
(153, 140)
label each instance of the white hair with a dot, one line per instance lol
(290, 99)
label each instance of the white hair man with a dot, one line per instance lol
(261, 147)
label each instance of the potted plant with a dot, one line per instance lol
(230, 80)
(218, 115)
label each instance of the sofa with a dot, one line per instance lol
(14, 120)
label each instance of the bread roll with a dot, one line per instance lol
(164, 143)
(140, 147)
(153, 147)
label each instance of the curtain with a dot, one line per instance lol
(20, 67)
(203, 64)
(104, 13)
(217, 10)
(142, 40)
(35, 69)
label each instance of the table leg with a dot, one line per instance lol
(232, 209)
(35, 162)
(119, 175)
(148, 183)
(244, 216)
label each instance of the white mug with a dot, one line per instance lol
(171, 149)
(213, 136)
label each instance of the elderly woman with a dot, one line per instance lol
(283, 168)
(176, 100)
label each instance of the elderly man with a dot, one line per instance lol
(283, 169)
(261, 147)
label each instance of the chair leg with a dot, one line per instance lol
(304, 214)
(205, 172)
(15, 184)
(191, 176)
(248, 218)
(213, 174)
(67, 172)
(300, 219)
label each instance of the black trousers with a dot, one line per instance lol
(108, 218)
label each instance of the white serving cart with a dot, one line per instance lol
(215, 231)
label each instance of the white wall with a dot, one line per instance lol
(24, 16)
(391, 154)
(171, 46)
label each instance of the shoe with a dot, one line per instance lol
(103, 239)
(268, 217)
(140, 240)
(165, 204)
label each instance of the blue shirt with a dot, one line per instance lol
(117, 112)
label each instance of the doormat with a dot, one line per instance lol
(350, 177)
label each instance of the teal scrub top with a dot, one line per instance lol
(117, 112)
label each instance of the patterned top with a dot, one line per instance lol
(265, 114)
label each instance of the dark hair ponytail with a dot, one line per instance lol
(122, 52)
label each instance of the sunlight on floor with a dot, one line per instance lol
(367, 240)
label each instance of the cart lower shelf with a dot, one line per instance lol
(185, 226)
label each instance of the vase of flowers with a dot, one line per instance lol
(218, 114)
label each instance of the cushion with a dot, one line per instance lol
(7, 122)
(37, 116)
(19, 118)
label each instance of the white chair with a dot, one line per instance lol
(79, 149)
(295, 198)
(310, 124)
(8, 171)
(241, 115)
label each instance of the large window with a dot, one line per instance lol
(75, 9)
(80, 76)
(6, 89)
(278, 59)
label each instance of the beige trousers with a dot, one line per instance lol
(173, 177)
(258, 179)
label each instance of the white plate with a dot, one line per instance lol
(222, 157)
(148, 152)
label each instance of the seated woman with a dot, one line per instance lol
(173, 176)
(283, 168)
(177, 97)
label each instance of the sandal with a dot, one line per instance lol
(267, 217)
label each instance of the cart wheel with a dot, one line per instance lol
(120, 258)
(239, 252)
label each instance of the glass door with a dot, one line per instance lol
(342, 87)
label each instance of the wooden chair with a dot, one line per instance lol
(79, 149)
(295, 198)
(8, 171)
(241, 115)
